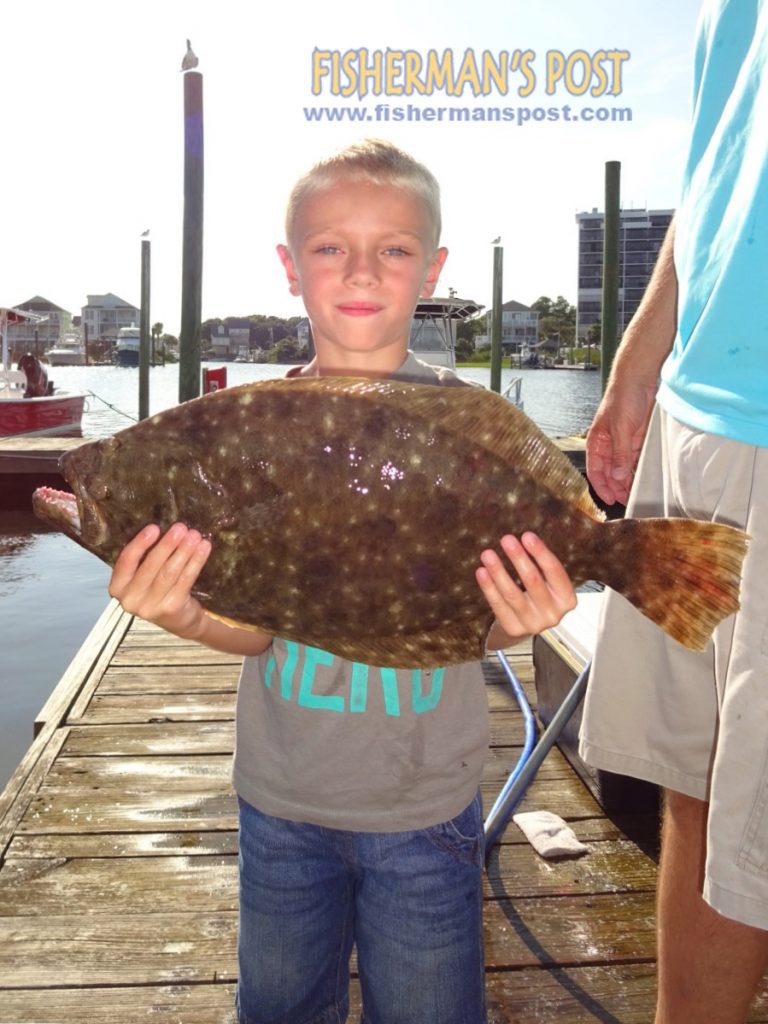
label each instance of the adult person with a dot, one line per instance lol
(690, 387)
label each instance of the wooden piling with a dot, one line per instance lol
(192, 246)
(498, 271)
(144, 339)
(611, 277)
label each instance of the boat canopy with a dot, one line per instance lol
(11, 315)
(451, 308)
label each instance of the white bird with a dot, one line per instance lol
(496, 240)
(190, 59)
(145, 234)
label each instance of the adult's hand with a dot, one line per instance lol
(616, 437)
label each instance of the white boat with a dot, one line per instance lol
(127, 346)
(70, 351)
(433, 336)
(433, 328)
(513, 392)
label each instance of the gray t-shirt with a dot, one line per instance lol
(351, 746)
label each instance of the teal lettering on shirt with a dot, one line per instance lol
(269, 671)
(358, 693)
(288, 669)
(358, 689)
(358, 686)
(314, 656)
(420, 701)
(389, 687)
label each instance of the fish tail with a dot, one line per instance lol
(682, 574)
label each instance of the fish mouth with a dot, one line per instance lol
(73, 514)
(59, 508)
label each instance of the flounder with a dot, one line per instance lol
(350, 514)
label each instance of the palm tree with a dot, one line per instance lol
(157, 332)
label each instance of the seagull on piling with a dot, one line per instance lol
(190, 59)
(496, 240)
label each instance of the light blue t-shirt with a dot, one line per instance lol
(716, 377)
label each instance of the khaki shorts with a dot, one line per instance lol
(694, 722)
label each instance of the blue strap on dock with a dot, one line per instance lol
(531, 757)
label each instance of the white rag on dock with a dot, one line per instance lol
(549, 835)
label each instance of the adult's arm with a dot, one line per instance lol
(621, 421)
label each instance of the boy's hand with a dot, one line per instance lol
(153, 577)
(545, 596)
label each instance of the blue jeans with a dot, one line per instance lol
(410, 901)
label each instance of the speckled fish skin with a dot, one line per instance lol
(350, 514)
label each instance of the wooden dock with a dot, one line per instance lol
(118, 866)
(29, 462)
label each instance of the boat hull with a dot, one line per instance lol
(52, 414)
(127, 357)
(65, 358)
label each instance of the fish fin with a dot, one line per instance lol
(482, 417)
(440, 647)
(682, 574)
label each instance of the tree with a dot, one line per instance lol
(557, 319)
(594, 333)
(465, 349)
(287, 350)
(466, 335)
(543, 304)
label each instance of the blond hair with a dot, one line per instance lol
(373, 160)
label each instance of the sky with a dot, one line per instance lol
(92, 104)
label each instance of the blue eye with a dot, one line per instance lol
(327, 250)
(396, 250)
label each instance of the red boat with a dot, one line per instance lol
(49, 414)
(28, 403)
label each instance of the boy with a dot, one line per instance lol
(360, 820)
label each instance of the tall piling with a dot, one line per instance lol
(498, 273)
(144, 339)
(192, 245)
(609, 335)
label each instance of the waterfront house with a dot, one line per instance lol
(39, 335)
(105, 315)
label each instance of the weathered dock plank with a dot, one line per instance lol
(117, 949)
(161, 1004)
(86, 812)
(160, 946)
(177, 843)
(153, 738)
(164, 880)
(156, 707)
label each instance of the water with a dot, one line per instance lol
(52, 591)
(561, 402)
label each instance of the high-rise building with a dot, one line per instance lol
(641, 233)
